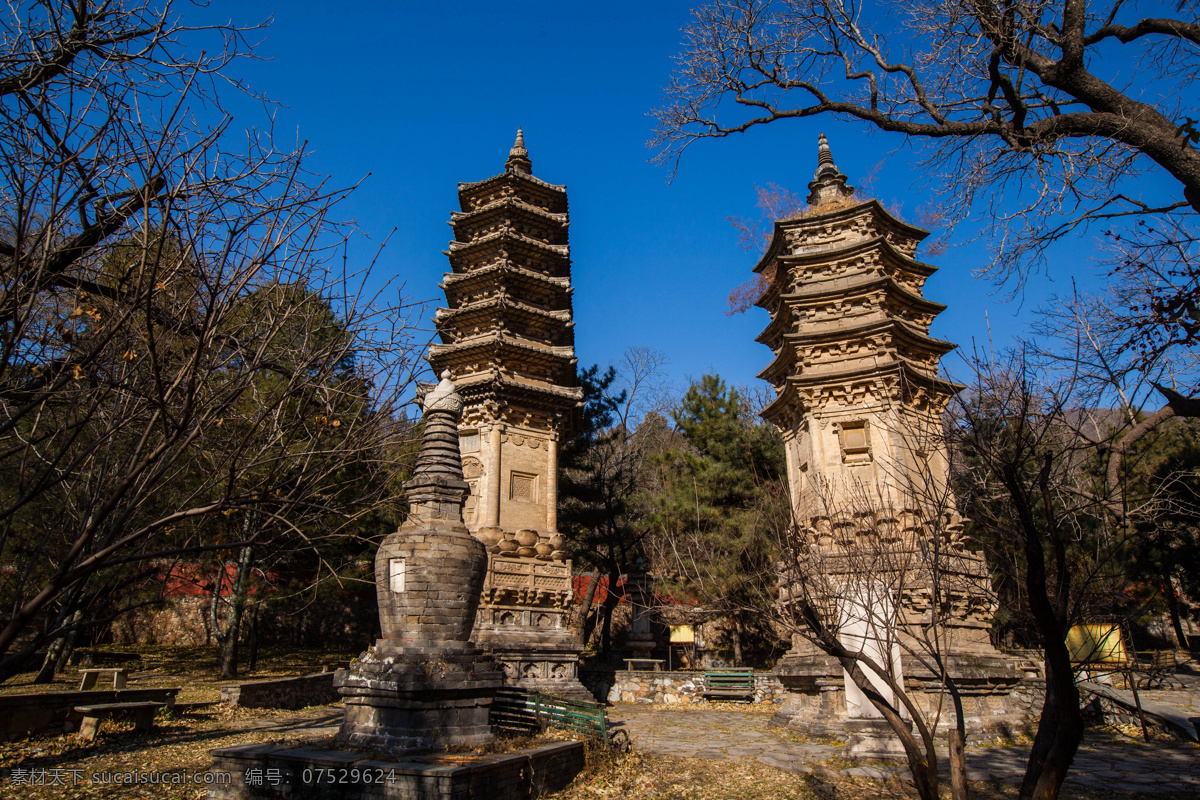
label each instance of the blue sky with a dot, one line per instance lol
(414, 98)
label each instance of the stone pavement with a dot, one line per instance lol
(1182, 695)
(658, 730)
(1129, 765)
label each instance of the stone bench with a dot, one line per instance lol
(143, 716)
(91, 658)
(120, 677)
(54, 712)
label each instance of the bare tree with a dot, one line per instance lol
(161, 362)
(641, 376)
(1025, 122)
(1042, 466)
(882, 589)
(884, 592)
(604, 468)
(879, 582)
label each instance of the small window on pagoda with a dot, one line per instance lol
(468, 442)
(523, 487)
(856, 445)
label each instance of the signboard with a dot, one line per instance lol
(682, 634)
(1096, 644)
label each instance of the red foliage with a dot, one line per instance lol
(193, 580)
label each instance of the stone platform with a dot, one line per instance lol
(994, 706)
(274, 772)
(397, 700)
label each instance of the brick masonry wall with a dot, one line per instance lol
(647, 686)
(308, 690)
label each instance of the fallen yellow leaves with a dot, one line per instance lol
(657, 778)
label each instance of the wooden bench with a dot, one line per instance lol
(120, 677)
(519, 710)
(655, 663)
(734, 684)
(143, 716)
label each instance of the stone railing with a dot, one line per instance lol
(647, 686)
(307, 690)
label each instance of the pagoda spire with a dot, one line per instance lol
(518, 156)
(437, 480)
(828, 185)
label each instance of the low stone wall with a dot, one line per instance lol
(349, 616)
(647, 686)
(1105, 704)
(308, 690)
(271, 772)
(54, 712)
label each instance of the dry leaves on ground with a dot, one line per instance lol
(635, 776)
(174, 756)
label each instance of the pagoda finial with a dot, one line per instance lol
(518, 156)
(828, 185)
(437, 480)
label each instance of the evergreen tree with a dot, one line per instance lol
(712, 497)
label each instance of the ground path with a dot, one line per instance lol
(736, 735)
(743, 735)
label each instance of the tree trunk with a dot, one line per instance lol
(56, 650)
(233, 621)
(610, 603)
(1057, 740)
(735, 638)
(1173, 607)
(585, 608)
(252, 661)
(214, 620)
(958, 749)
(1060, 728)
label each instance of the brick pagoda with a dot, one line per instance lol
(507, 339)
(425, 684)
(859, 402)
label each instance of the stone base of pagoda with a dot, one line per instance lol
(873, 740)
(404, 697)
(990, 687)
(543, 672)
(535, 658)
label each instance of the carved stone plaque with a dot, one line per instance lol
(396, 575)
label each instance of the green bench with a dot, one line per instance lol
(729, 684)
(518, 710)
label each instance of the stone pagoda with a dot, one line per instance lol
(424, 684)
(859, 402)
(507, 338)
